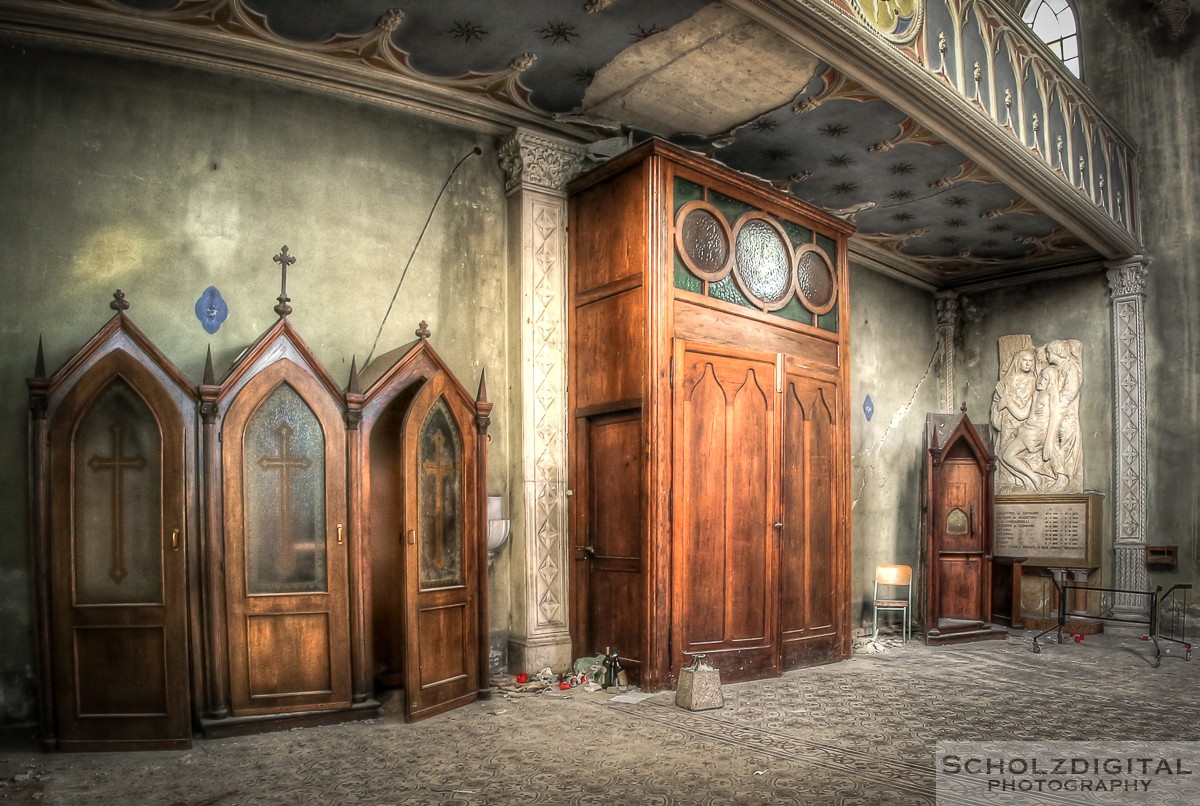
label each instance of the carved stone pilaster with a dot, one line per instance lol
(1127, 284)
(947, 329)
(537, 170)
(533, 160)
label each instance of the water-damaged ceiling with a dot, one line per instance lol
(705, 76)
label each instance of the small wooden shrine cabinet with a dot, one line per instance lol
(960, 507)
(708, 445)
(254, 553)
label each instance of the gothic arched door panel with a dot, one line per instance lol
(725, 507)
(441, 567)
(118, 568)
(810, 547)
(284, 469)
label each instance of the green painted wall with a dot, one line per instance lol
(163, 180)
(892, 348)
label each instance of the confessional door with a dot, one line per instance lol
(609, 593)
(809, 592)
(725, 555)
(963, 564)
(441, 569)
(119, 610)
(284, 469)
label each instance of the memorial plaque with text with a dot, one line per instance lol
(1050, 530)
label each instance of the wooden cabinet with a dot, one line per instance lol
(708, 441)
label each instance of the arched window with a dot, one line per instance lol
(1055, 24)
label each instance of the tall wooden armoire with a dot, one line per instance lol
(708, 367)
(960, 507)
(112, 515)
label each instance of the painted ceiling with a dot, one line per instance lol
(706, 77)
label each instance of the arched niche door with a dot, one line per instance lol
(286, 581)
(418, 473)
(109, 480)
(440, 558)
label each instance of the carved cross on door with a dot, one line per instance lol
(285, 463)
(440, 469)
(117, 464)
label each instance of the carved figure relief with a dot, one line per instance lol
(1035, 416)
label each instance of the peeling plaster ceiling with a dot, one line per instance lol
(710, 79)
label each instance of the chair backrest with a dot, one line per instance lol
(893, 575)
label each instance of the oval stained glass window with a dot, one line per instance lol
(704, 241)
(814, 279)
(763, 262)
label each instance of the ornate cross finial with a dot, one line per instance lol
(119, 302)
(284, 260)
(423, 330)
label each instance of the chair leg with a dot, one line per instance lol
(875, 623)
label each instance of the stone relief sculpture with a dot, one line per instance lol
(1035, 417)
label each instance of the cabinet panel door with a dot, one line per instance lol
(959, 543)
(725, 506)
(609, 575)
(119, 631)
(284, 472)
(810, 547)
(441, 572)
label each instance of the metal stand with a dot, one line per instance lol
(1179, 617)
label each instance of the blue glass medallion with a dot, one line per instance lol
(211, 310)
(869, 408)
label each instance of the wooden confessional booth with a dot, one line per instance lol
(254, 553)
(708, 367)
(959, 516)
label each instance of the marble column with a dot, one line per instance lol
(947, 328)
(1127, 284)
(537, 169)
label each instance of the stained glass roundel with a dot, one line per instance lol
(703, 239)
(763, 263)
(814, 279)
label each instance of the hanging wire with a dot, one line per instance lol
(474, 152)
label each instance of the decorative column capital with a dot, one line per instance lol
(948, 308)
(1127, 278)
(538, 161)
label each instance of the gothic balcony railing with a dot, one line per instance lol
(978, 77)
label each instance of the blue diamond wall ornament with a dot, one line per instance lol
(211, 310)
(868, 408)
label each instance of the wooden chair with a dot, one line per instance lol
(891, 583)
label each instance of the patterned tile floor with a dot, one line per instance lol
(858, 732)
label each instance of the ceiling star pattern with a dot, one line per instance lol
(835, 143)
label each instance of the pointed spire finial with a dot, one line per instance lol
(210, 377)
(39, 369)
(423, 330)
(355, 386)
(481, 397)
(119, 303)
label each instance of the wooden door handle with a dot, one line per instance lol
(174, 540)
(412, 537)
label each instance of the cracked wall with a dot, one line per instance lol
(893, 359)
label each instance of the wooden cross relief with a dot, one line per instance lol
(117, 464)
(285, 463)
(441, 469)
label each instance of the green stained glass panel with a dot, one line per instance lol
(796, 233)
(732, 209)
(685, 279)
(728, 291)
(829, 321)
(795, 312)
(685, 192)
